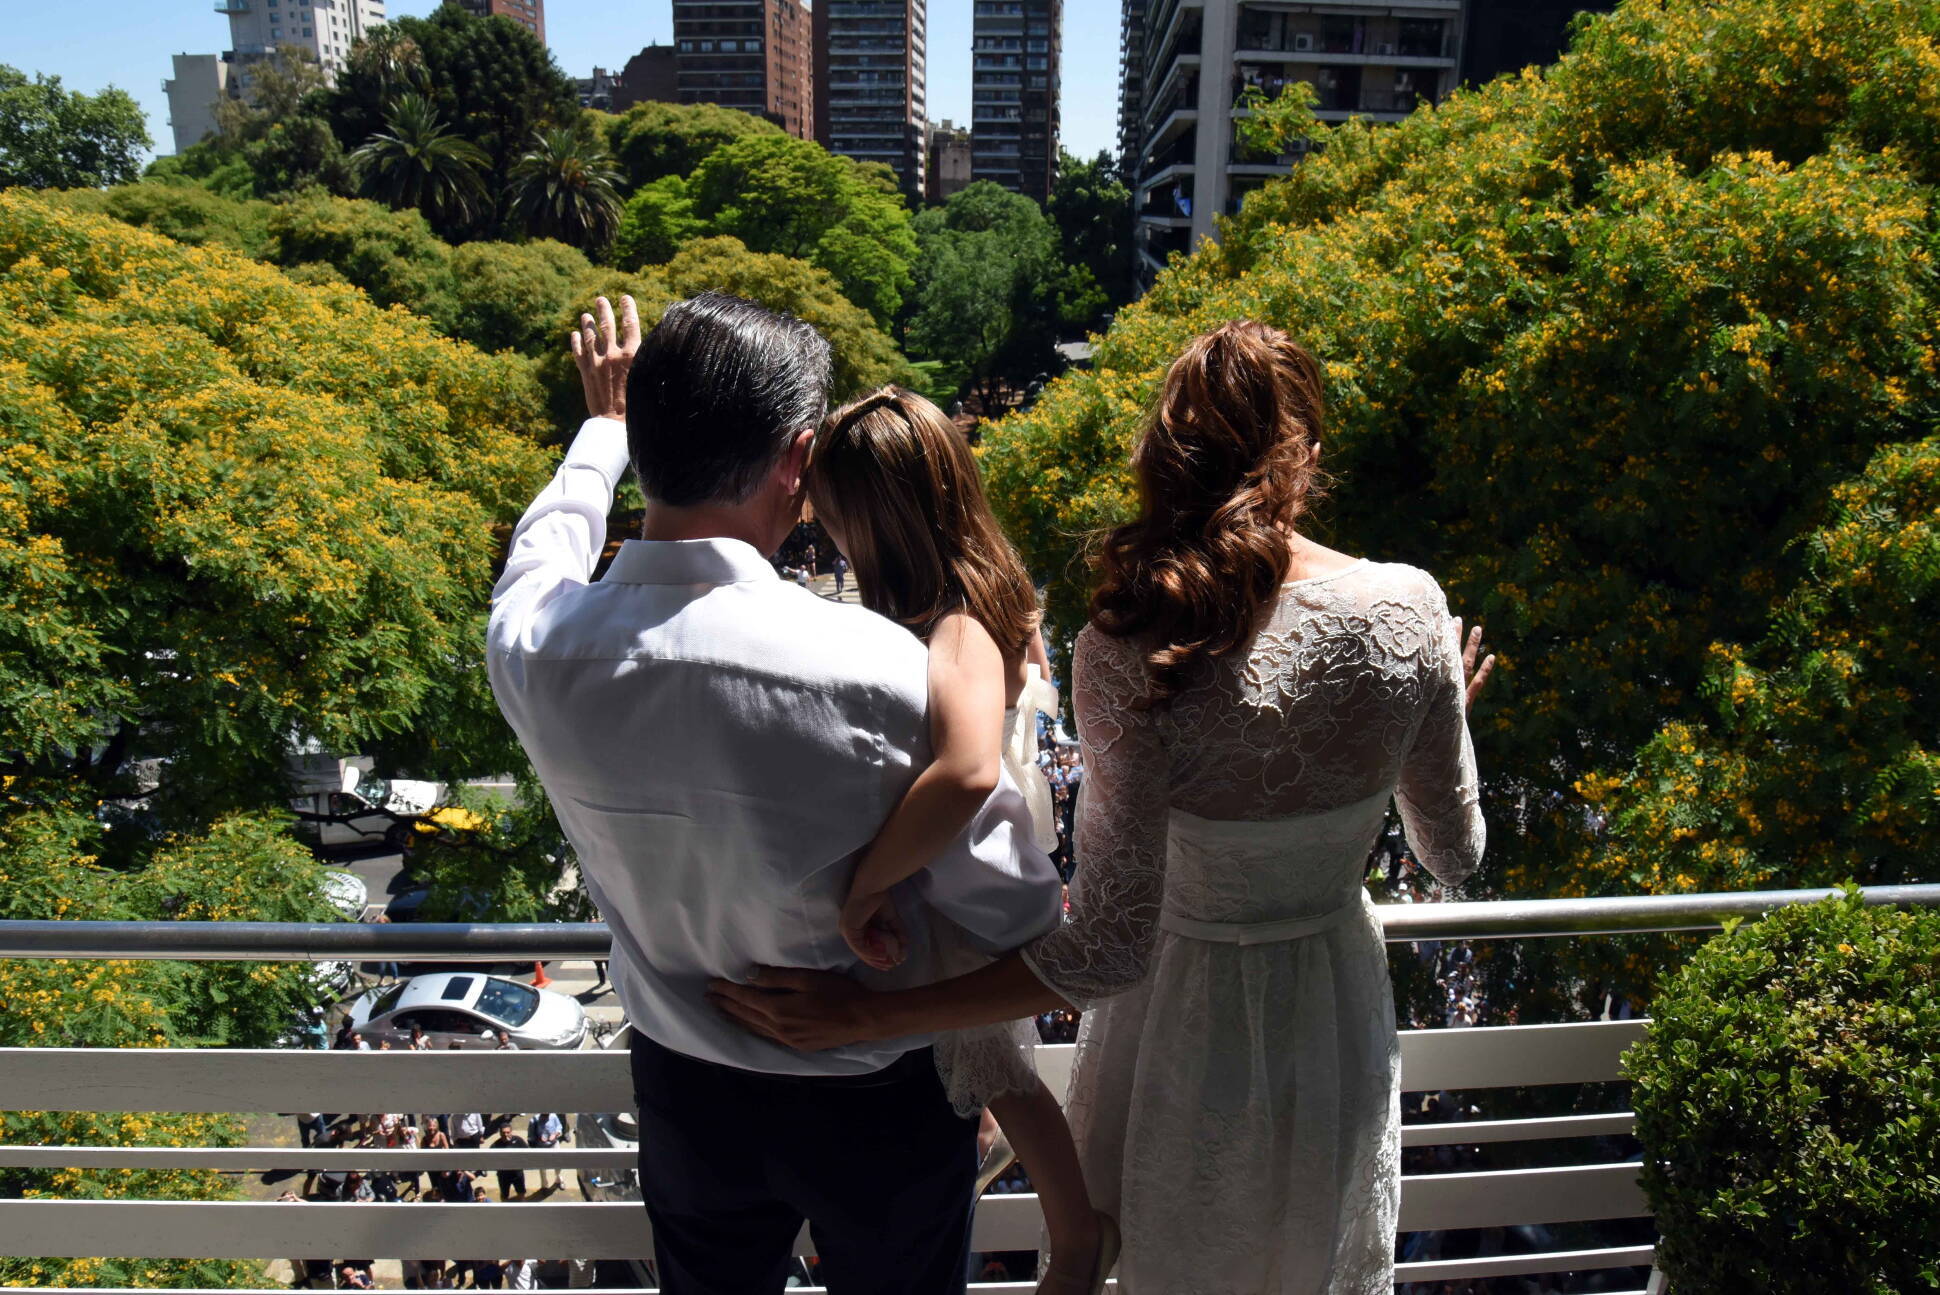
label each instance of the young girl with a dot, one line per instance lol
(897, 489)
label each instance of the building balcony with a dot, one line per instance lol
(1584, 1185)
(232, 6)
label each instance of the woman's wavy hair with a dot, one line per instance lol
(897, 481)
(1229, 459)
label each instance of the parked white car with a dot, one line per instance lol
(464, 1008)
(366, 810)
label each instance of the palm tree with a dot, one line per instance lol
(565, 187)
(418, 162)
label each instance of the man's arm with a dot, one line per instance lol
(558, 541)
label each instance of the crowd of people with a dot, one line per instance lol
(394, 1131)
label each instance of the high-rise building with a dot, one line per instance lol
(200, 81)
(1131, 84)
(1014, 94)
(949, 161)
(651, 75)
(748, 54)
(870, 61)
(323, 29)
(529, 14)
(1198, 59)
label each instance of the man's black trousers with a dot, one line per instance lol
(732, 1162)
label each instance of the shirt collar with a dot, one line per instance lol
(688, 562)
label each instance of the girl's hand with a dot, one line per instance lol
(873, 930)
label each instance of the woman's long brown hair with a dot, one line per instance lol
(898, 482)
(1229, 458)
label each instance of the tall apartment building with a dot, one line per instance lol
(324, 29)
(529, 14)
(1131, 84)
(1014, 94)
(1197, 58)
(748, 54)
(870, 61)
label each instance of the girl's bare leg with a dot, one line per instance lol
(1035, 1125)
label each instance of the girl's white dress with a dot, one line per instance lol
(979, 1064)
(1235, 1092)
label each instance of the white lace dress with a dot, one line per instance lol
(1235, 1095)
(979, 1064)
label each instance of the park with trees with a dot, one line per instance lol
(1638, 353)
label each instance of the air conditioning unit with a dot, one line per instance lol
(1303, 41)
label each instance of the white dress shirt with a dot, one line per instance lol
(719, 746)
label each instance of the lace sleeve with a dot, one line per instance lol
(1105, 943)
(1438, 793)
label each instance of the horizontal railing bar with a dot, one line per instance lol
(258, 1080)
(318, 1159)
(1527, 1130)
(1508, 1197)
(617, 1230)
(537, 941)
(1555, 1261)
(332, 1229)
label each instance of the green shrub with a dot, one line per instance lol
(1789, 1105)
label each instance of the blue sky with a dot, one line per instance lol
(128, 42)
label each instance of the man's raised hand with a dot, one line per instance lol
(604, 354)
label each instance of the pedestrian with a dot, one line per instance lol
(545, 1130)
(311, 1129)
(419, 1043)
(505, 1043)
(511, 1182)
(357, 1042)
(468, 1132)
(521, 1274)
(599, 965)
(841, 569)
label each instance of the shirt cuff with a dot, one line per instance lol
(601, 445)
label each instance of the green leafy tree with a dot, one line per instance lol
(992, 290)
(776, 193)
(243, 513)
(658, 221)
(187, 213)
(1817, 763)
(507, 295)
(653, 141)
(1601, 345)
(416, 161)
(864, 356)
(391, 255)
(52, 138)
(489, 79)
(1092, 210)
(206, 164)
(563, 188)
(278, 135)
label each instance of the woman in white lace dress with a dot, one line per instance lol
(1248, 702)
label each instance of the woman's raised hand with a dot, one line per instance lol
(805, 1010)
(1473, 675)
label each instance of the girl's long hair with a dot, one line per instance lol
(897, 480)
(1229, 458)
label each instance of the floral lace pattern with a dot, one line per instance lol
(1237, 1105)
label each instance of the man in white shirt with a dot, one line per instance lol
(719, 746)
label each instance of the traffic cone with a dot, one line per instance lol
(539, 977)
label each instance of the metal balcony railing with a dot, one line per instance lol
(596, 1081)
